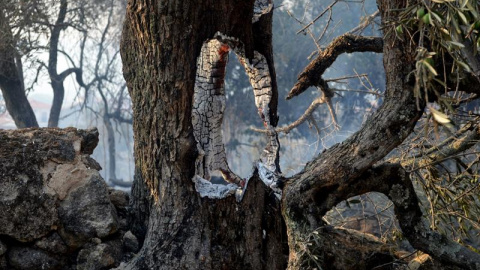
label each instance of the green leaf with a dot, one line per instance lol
(464, 66)
(426, 19)
(462, 17)
(420, 13)
(456, 44)
(399, 29)
(436, 16)
(430, 68)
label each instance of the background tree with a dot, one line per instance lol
(50, 41)
(14, 18)
(105, 91)
(34, 27)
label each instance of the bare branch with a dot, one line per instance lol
(312, 74)
(346, 77)
(305, 116)
(365, 23)
(358, 91)
(78, 73)
(318, 17)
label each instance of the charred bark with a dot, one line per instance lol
(160, 47)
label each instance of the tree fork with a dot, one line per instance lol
(311, 193)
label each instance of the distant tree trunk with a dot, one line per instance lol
(111, 148)
(11, 80)
(55, 78)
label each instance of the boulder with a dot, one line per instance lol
(54, 204)
(99, 257)
(118, 198)
(32, 259)
(3, 262)
(130, 242)
(52, 243)
(3, 248)
(87, 211)
(31, 187)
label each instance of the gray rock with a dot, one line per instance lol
(27, 212)
(118, 198)
(3, 248)
(96, 240)
(32, 259)
(97, 257)
(86, 212)
(3, 262)
(38, 169)
(130, 242)
(52, 243)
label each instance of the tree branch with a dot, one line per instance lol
(303, 118)
(312, 74)
(464, 139)
(393, 181)
(78, 77)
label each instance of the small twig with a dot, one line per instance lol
(318, 17)
(308, 30)
(346, 77)
(365, 23)
(358, 91)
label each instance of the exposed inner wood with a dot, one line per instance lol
(208, 108)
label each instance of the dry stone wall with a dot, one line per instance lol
(56, 210)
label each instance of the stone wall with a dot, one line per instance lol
(56, 210)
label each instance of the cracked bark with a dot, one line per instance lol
(209, 97)
(160, 46)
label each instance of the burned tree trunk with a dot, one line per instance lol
(234, 229)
